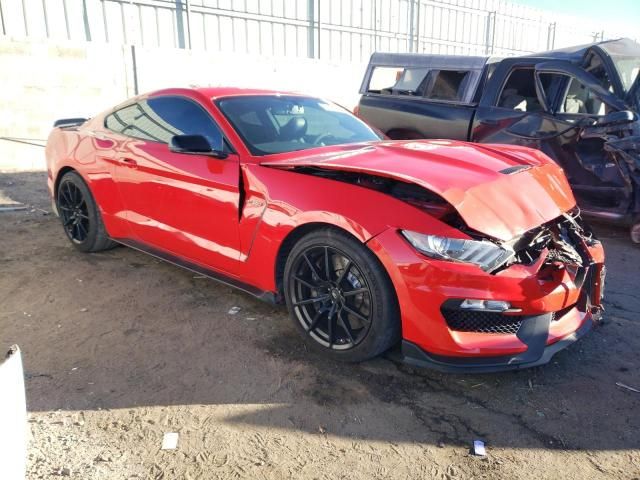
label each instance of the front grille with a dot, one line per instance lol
(555, 316)
(483, 322)
(490, 322)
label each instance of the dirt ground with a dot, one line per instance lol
(120, 348)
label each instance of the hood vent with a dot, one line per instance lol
(514, 169)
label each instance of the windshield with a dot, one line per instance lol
(271, 124)
(625, 55)
(628, 68)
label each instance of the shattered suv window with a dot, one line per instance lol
(565, 94)
(447, 85)
(628, 69)
(580, 99)
(519, 93)
(384, 79)
(593, 65)
(410, 81)
(397, 80)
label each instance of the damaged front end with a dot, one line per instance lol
(546, 297)
(568, 244)
(594, 134)
(626, 153)
(618, 172)
(407, 192)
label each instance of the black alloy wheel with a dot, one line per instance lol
(340, 296)
(80, 215)
(331, 297)
(74, 212)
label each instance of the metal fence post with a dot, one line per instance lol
(179, 23)
(417, 48)
(24, 18)
(188, 5)
(319, 37)
(134, 64)
(85, 18)
(491, 32)
(4, 30)
(44, 12)
(551, 35)
(66, 18)
(410, 38)
(311, 35)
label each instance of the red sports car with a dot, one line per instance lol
(471, 257)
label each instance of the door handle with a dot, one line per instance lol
(489, 122)
(128, 162)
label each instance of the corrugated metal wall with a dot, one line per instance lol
(333, 30)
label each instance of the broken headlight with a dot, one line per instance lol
(487, 255)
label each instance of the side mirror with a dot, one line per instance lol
(616, 118)
(196, 145)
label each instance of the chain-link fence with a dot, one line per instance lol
(334, 30)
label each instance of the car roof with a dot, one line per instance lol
(219, 92)
(623, 46)
(212, 93)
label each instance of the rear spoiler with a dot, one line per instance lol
(69, 122)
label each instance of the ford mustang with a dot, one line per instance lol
(461, 257)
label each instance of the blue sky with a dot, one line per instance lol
(624, 12)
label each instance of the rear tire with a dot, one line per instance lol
(340, 296)
(80, 215)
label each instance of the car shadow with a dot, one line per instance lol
(120, 330)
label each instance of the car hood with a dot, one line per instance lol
(499, 190)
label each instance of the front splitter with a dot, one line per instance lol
(534, 335)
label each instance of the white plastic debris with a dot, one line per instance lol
(233, 310)
(478, 448)
(12, 208)
(169, 441)
(13, 416)
(627, 387)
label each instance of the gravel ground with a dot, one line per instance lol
(120, 348)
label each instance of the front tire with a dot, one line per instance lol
(80, 215)
(340, 296)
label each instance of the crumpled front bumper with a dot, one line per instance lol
(534, 333)
(557, 306)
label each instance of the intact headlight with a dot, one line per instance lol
(488, 256)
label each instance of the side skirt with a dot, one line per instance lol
(265, 296)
